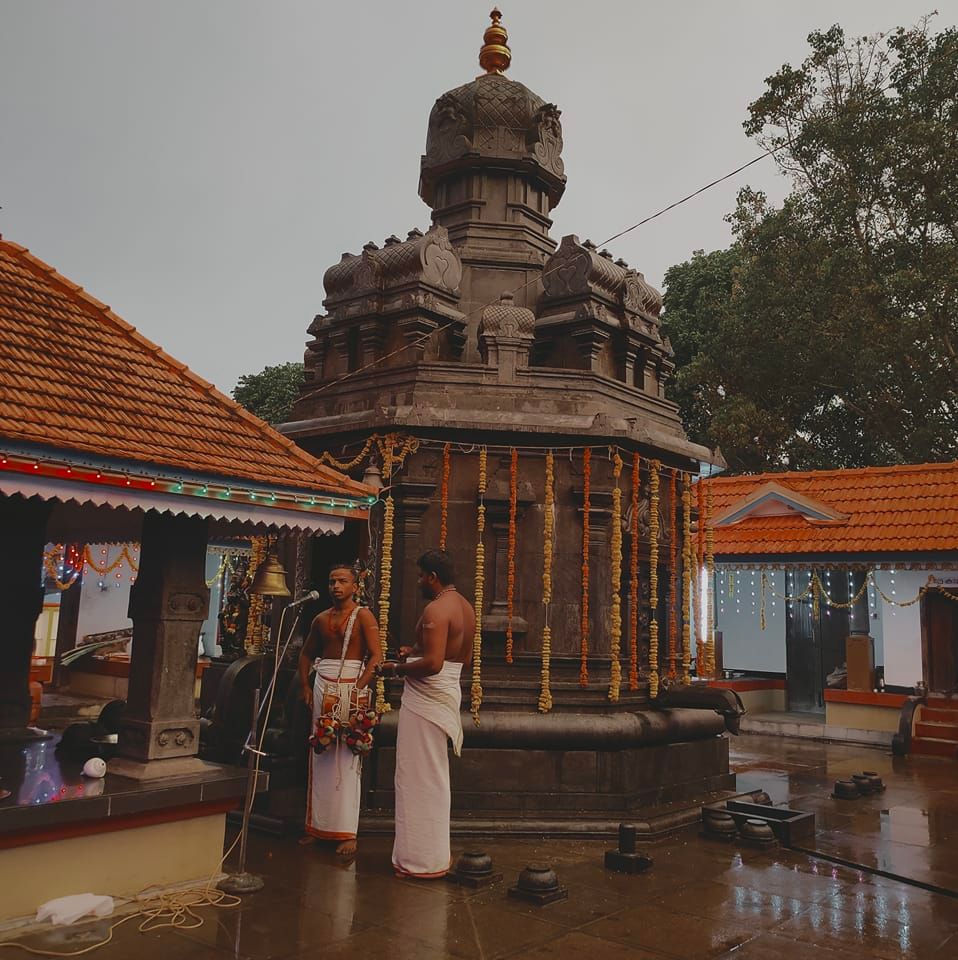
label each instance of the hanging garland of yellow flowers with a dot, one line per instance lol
(634, 579)
(256, 629)
(710, 593)
(476, 690)
(51, 561)
(615, 678)
(584, 621)
(545, 692)
(673, 575)
(385, 567)
(345, 465)
(686, 576)
(511, 558)
(444, 495)
(653, 578)
(700, 655)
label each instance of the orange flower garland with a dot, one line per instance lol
(476, 690)
(700, 652)
(615, 679)
(686, 577)
(710, 569)
(385, 566)
(444, 495)
(256, 629)
(548, 533)
(634, 579)
(653, 578)
(673, 576)
(584, 623)
(511, 559)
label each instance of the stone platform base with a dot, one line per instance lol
(571, 774)
(120, 863)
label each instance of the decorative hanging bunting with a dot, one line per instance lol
(615, 679)
(584, 622)
(653, 578)
(634, 578)
(548, 532)
(476, 690)
(511, 557)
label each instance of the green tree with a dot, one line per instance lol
(270, 394)
(826, 336)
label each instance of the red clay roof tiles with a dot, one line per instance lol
(901, 509)
(74, 375)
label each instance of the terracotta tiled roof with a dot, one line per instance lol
(890, 510)
(75, 376)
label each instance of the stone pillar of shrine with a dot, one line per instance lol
(168, 603)
(24, 525)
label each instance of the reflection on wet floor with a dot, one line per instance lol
(701, 899)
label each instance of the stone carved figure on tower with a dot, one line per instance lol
(449, 135)
(546, 138)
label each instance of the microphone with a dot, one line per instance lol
(312, 595)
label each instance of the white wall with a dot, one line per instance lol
(745, 645)
(900, 626)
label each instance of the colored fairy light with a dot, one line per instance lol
(252, 495)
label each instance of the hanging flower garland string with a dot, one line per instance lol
(444, 495)
(615, 677)
(584, 621)
(545, 691)
(653, 578)
(686, 577)
(511, 557)
(385, 568)
(345, 465)
(634, 579)
(673, 575)
(476, 689)
(700, 654)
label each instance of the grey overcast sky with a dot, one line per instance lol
(198, 164)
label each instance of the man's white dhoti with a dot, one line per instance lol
(333, 794)
(429, 718)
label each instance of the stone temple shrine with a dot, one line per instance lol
(510, 393)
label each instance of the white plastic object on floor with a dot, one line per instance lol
(66, 910)
(94, 767)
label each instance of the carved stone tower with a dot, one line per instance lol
(481, 332)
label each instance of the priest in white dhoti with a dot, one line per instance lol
(430, 720)
(343, 648)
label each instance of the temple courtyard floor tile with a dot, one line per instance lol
(700, 899)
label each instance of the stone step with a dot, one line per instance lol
(937, 731)
(931, 747)
(937, 714)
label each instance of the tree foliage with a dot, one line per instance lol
(826, 336)
(270, 394)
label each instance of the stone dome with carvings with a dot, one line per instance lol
(490, 120)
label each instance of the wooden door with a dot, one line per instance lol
(940, 629)
(803, 658)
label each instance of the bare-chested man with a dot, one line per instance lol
(429, 718)
(343, 645)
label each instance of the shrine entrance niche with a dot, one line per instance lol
(939, 618)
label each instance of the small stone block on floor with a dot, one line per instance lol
(538, 898)
(626, 862)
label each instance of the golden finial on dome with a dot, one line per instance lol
(495, 55)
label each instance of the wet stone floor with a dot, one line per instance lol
(701, 898)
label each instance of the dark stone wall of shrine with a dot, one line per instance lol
(418, 520)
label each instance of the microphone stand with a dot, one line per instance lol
(242, 881)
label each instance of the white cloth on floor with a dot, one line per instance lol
(69, 909)
(429, 719)
(334, 790)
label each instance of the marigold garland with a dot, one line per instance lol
(686, 576)
(634, 579)
(700, 651)
(653, 578)
(673, 575)
(256, 629)
(615, 678)
(444, 495)
(710, 593)
(386, 566)
(476, 689)
(545, 692)
(511, 559)
(345, 465)
(584, 622)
